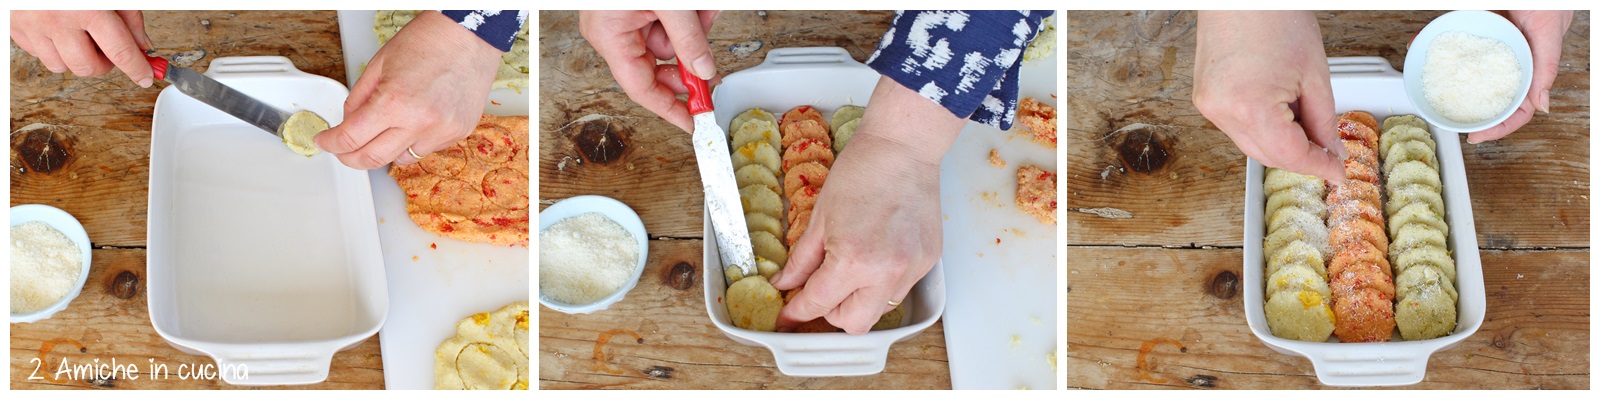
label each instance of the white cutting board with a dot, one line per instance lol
(1000, 319)
(430, 289)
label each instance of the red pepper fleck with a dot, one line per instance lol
(435, 246)
(804, 181)
(447, 228)
(996, 240)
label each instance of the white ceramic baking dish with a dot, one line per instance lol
(261, 258)
(825, 78)
(1370, 84)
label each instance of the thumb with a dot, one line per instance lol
(689, 41)
(1544, 31)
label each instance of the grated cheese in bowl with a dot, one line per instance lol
(45, 267)
(585, 258)
(1469, 78)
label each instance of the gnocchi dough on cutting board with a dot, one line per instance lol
(489, 351)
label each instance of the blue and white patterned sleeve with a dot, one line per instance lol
(498, 27)
(967, 61)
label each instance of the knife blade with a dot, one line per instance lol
(716, 176)
(220, 96)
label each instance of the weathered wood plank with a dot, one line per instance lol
(1535, 334)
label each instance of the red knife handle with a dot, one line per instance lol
(699, 91)
(159, 66)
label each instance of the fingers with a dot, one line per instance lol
(857, 313)
(1286, 147)
(81, 56)
(45, 49)
(635, 70)
(818, 299)
(134, 20)
(381, 150)
(1517, 119)
(365, 86)
(118, 45)
(1544, 30)
(1317, 118)
(359, 127)
(689, 41)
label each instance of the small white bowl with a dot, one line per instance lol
(67, 225)
(613, 210)
(1478, 23)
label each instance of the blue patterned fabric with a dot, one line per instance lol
(498, 27)
(967, 61)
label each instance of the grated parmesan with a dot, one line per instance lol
(1470, 78)
(585, 258)
(45, 265)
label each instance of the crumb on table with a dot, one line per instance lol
(995, 160)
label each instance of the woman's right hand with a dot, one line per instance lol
(632, 41)
(88, 43)
(1262, 78)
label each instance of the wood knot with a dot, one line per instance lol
(681, 276)
(1225, 285)
(1205, 381)
(124, 286)
(1142, 149)
(1499, 341)
(42, 148)
(103, 381)
(659, 372)
(600, 141)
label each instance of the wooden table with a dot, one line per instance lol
(1155, 207)
(593, 140)
(92, 160)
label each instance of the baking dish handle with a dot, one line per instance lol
(839, 355)
(1369, 365)
(806, 57)
(252, 66)
(272, 364)
(1357, 66)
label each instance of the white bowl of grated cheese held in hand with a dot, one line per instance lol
(592, 250)
(50, 259)
(1468, 71)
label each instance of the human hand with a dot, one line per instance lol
(1262, 78)
(1544, 30)
(876, 228)
(88, 43)
(632, 41)
(423, 91)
